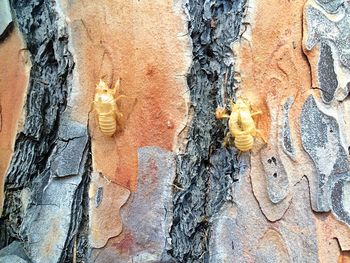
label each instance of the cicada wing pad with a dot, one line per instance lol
(259, 141)
(126, 105)
(258, 145)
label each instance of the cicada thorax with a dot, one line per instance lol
(246, 121)
(242, 129)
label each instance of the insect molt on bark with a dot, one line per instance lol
(110, 117)
(242, 127)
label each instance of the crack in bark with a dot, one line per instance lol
(213, 26)
(46, 100)
(48, 140)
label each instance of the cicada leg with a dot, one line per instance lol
(232, 104)
(121, 97)
(256, 113)
(221, 113)
(259, 134)
(120, 120)
(95, 106)
(125, 105)
(116, 88)
(228, 140)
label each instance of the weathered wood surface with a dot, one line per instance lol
(164, 189)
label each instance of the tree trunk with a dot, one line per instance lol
(164, 187)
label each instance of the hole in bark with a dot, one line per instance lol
(274, 160)
(209, 52)
(275, 175)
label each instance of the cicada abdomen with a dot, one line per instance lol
(244, 141)
(107, 123)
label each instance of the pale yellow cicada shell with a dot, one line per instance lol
(110, 116)
(242, 127)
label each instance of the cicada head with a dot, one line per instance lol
(101, 87)
(241, 105)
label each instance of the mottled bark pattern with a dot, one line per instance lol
(324, 136)
(149, 201)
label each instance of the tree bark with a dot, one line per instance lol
(164, 188)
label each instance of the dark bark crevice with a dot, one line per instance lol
(205, 170)
(52, 155)
(52, 64)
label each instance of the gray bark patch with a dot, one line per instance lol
(276, 178)
(5, 18)
(326, 74)
(147, 216)
(151, 206)
(321, 140)
(333, 39)
(330, 6)
(14, 249)
(287, 143)
(320, 34)
(52, 218)
(340, 197)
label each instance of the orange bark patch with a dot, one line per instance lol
(125, 244)
(131, 40)
(13, 83)
(272, 63)
(344, 257)
(274, 68)
(333, 238)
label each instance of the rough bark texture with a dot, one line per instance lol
(164, 189)
(49, 172)
(213, 26)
